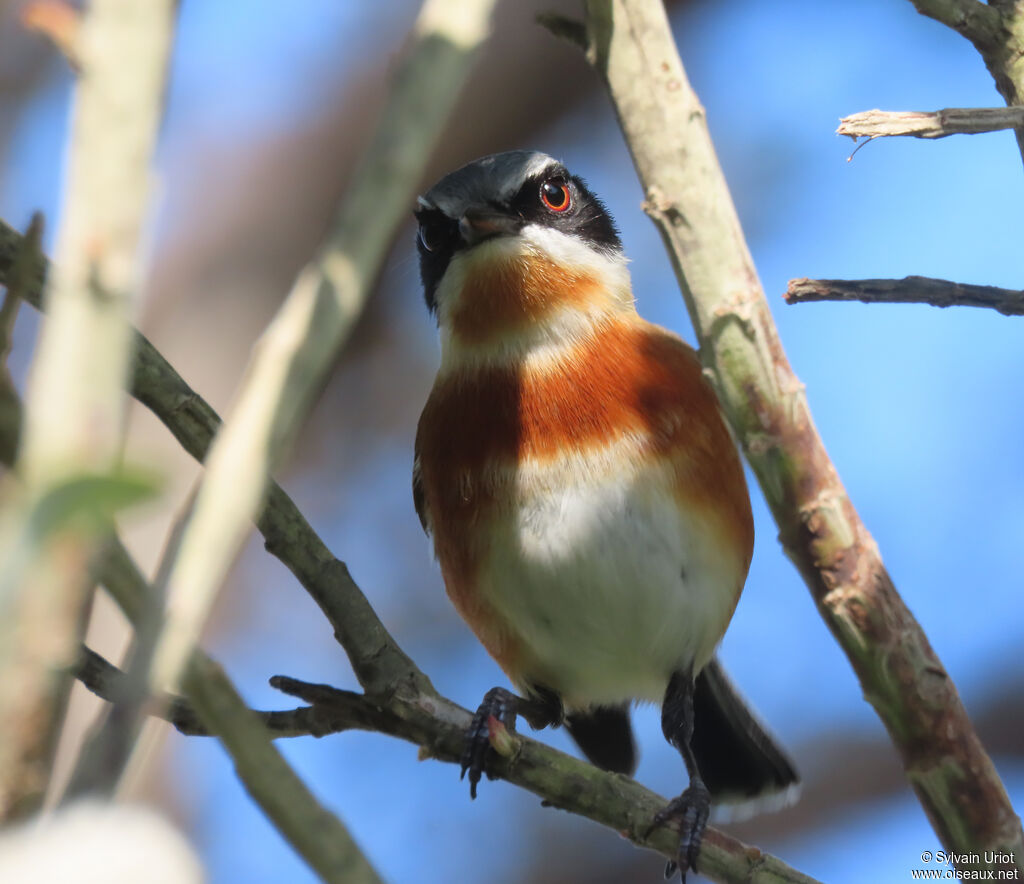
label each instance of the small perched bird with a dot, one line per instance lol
(586, 502)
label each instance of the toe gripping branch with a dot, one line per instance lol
(499, 709)
(690, 810)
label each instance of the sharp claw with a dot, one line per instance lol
(691, 810)
(498, 705)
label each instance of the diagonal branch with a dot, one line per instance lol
(317, 835)
(631, 46)
(439, 727)
(297, 348)
(400, 699)
(216, 709)
(909, 290)
(931, 124)
(379, 664)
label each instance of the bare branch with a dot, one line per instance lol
(909, 290)
(971, 18)
(215, 709)
(439, 726)
(931, 124)
(347, 711)
(400, 699)
(631, 46)
(315, 833)
(108, 682)
(997, 31)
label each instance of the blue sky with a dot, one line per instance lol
(918, 407)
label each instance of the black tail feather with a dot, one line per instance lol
(605, 736)
(737, 758)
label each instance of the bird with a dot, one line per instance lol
(585, 499)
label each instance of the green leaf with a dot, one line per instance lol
(89, 499)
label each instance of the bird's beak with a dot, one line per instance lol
(476, 225)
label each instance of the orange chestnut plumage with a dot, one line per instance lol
(586, 502)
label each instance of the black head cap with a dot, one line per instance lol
(498, 195)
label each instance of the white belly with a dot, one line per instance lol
(607, 583)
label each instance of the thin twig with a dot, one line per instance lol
(109, 683)
(909, 290)
(74, 410)
(631, 46)
(931, 124)
(106, 681)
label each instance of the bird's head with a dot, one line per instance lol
(515, 250)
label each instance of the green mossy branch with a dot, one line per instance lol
(630, 44)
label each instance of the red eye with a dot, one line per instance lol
(554, 193)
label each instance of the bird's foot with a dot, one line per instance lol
(497, 709)
(690, 810)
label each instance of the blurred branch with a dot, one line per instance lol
(113, 741)
(20, 280)
(75, 404)
(74, 410)
(290, 361)
(909, 290)
(378, 662)
(631, 46)
(315, 833)
(931, 124)
(109, 683)
(997, 31)
(214, 707)
(400, 699)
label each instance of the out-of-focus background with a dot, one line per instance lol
(269, 106)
